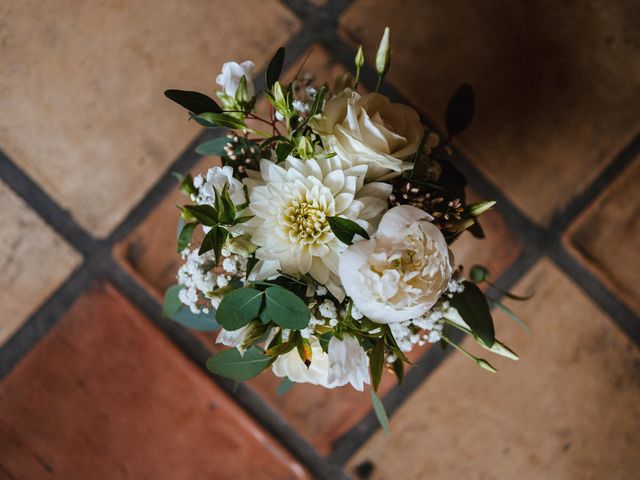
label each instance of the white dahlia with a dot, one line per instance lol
(291, 203)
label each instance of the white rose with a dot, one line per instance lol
(231, 74)
(401, 273)
(370, 130)
(291, 365)
(234, 338)
(348, 363)
(217, 178)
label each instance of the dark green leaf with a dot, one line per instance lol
(185, 236)
(476, 230)
(186, 183)
(316, 107)
(275, 138)
(460, 110)
(284, 386)
(242, 219)
(381, 414)
(275, 68)
(398, 369)
(205, 214)
(393, 345)
(345, 229)
(232, 364)
(239, 307)
(224, 205)
(324, 340)
(220, 120)
(473, 308)
(376, 362)
(282, 151)
(193, 101)
(172, 303)
(214, 240)
(286, 309)
(213, 147)
(282, 348)
(513, 316)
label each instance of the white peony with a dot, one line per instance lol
(291, 365)
(401, 273)
(291, 204)
(370, 130)
(231, 74)
(348, 363)
(217, 178)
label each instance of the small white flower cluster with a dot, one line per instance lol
(425, 328)
(199, 281)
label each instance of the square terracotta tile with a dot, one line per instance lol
(106, 395)
(89, 79)
(568, 409)
(554, 83)
(34, 261)
(607, 235)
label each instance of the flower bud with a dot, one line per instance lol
(242, 92)
(305, 148)
(241, 245)
(479, 208)
(383, 57)
(359, 60)
(479, 274)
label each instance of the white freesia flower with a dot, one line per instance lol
(217, 178)
(348, 363)
(291, 365)
(401, 273)
(290, 207)
(234, 338)
(370, 130)
(231, 74)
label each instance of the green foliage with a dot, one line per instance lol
(232, 364)
(513, 316)
(239, 307)
(184, 238)
(275, 68)
(398, 369)
(474, 309)
(195, 102)
(174, 309)
(186, 183)
(479, 274)
(212, 120)
(286, 309)
(213, 147)
(460, 110)
(376, 362)
(381, 414)
(205, 214)
(285, 386)
(214, 240)
(345, 229)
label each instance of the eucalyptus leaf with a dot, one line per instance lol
(285, 386)
(213, 147)
(239, 307)
(381, 414)
(286, 308)
(174, 309)
(195, 102)
(460, 110)
(345, 229)
(232, 364)
(473, 308)
(185, 235)
(275, 68)
(513, 316)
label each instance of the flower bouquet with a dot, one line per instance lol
(323, 239)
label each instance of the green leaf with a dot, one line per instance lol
(224, 205)
(398, 369)
(242, 219)
(345, 229)
(283, 150)
(284, 386)
(473, 308)
(239, 307)
(185, 236)
(376, 362)
(286, 308)
(232, 364)
(513, 316)
(381, 414)
(174, 309)
(316, 107)
(275, 68)
(195, 102)
(214, 240)
(205, 214)
(476, 230)
(221, 120)
(213, 147)
(460, 110)
(186, 183)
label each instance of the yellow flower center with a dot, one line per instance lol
(306, 223)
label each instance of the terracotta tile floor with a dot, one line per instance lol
(98, 391)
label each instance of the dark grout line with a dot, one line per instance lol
(38, 325)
